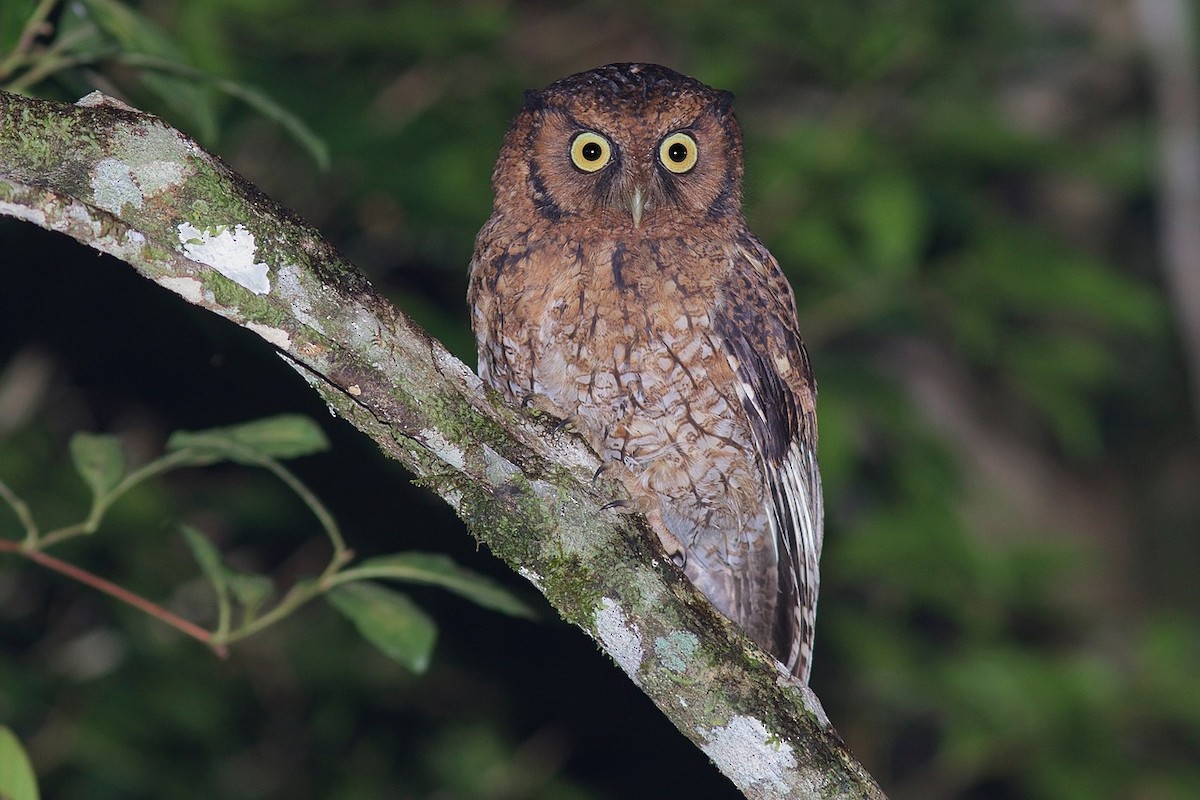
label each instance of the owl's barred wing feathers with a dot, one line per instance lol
(756, 324)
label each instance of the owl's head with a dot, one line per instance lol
(624, 145)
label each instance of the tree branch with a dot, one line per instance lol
(125, 183)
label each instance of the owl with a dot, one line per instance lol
(617, 286)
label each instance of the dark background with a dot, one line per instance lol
(967, 199)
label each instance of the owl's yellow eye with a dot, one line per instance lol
(678, 152)
(590, 151)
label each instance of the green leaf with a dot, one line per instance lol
(17, 781)
(281, 437)
(250, 590)
(80, 38)
(389, 620)
(136, 34)
(13, 17)
(252, 96)
(99, 461)
(292, 124)
(440, 570)
(207, 557)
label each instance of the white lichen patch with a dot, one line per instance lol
(497, 469)
(78, 216)
(113, 186)
(676, 650)
(444, 449)
(290, 287)
(276, 336)
(189, 289)
(17, 211)
(117, 181)
(745, 751)
(155, 177)
(620, 637)
(789, 683)
(813, 704)
(230, 251)
(78, 220)
(532, 577)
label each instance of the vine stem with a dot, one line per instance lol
(113, 590)
(101, 503)
(21, 509)
(341, 553)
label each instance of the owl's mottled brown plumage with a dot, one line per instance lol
(616, 285)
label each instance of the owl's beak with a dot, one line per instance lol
(637, 204)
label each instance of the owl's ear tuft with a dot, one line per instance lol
(534, 100)
(724, 102)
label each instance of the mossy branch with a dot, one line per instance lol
(127, 184)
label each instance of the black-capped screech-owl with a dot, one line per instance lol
(617, 286)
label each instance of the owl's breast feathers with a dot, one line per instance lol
(679, 358)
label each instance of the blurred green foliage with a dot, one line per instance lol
(962, 194)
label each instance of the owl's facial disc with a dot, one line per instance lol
(636, 171)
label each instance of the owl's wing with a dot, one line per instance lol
(756, 322)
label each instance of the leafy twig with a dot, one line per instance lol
(387, 618)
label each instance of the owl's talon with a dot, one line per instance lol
(672, 548)
(563, 421)
(613, 470)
